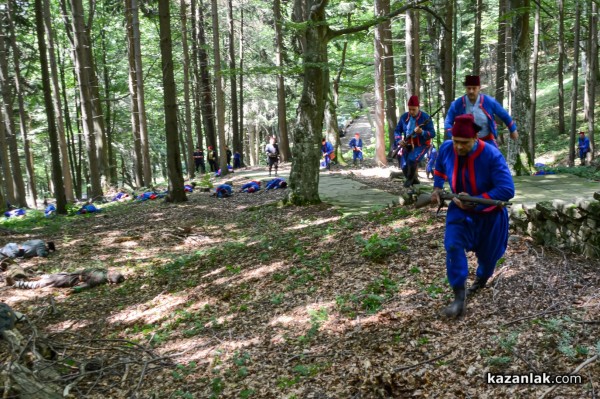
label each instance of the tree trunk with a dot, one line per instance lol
(133, 92)
(16, 179)
(64, 153)
(389, 73)
(477, 38)
(284, 145)
(413, 54)
(139, 75)
(176, 190)
(520, 75)
(219, 90)
(380, 154)
(6, 169)
(57, 173)
(112, 161)
(235, 128)
(208, 115)
(591, 73)
(572, 137)
(82, 69)
(534, 76)
(196, 82)
(22, 117)
(561, 60)
(187, 126)
(446, 56)
(241, 56)
(334, 97)
(251, 139)
(501, 55)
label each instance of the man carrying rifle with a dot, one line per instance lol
(483, 108)
(416, 129)
(472, 167)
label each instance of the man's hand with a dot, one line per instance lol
(418, 130)
(514, 135)
(465, 206)
(435, 196)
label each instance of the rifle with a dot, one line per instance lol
(425, 199)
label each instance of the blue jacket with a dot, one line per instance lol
(275, 184)
(246, 187)
(356, 143)
(223, 190)
(484, 174)
(417, 140)
(584, 144)
(327, 148)
(490, 107)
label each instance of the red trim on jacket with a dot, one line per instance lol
(440, 174)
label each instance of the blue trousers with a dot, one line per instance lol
(484, 234)
(357, 155)
(417, 154)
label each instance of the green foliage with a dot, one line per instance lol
(587, 172)
(206, 181)
(378, 248)
(317, 318)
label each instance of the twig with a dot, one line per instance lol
(419, 364)
(579, 368)
(534, 315)
(77, 380)
(525, 361)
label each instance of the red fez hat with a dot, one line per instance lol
(581, 132)
(471, 80)
(465, 127)
(413, 101)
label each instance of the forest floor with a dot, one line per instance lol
(246, 298)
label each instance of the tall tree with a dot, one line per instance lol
(446, 57)
(236, 136)
(573, 133)
(501, 51)
(477, 38)
(561, 60)
(534, 77)
(16, 179)
(19, 91)
(187, 126)
(141, 97)
(413, 54)
(6, 168)
(64, 153)
(241, 57)
(284, 145)
(83, 68)
(218, 78)
(389, 72)
(197, 77)
(592, 69)
(57, 175)
(176, 189)
(380, 154)
(520, 74)
(208, 115)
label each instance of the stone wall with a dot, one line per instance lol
(573, 226)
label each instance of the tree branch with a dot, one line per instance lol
(359, 28)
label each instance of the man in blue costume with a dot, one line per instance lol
(356, 144)
(223, 191)
(328, 153)
(472, 166)
(431, 158)
(584, 147)
(416, 129)
(275, 184)
(483, 108)
(250, 187)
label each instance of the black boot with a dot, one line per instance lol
(478, 284)
(457, 307)
(410, 174)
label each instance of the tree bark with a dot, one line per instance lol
(561, 58)
(501, 55)
(520, 76)
(572, 137)
(208, 114)
(176, 189)
(133, 92)
(241, 56)
(6, 168)
(413, 54)
(591, 71)
(139, 75)
(237, 142)
(16, 179)
(187, 126)
(284, 145)
(477, 38)
(19, 91)
(197, 78)
(57, 173)
(220, 106)
(380, 154)
(534, 76)
(82, 67)
(446, 56)
(389, 73)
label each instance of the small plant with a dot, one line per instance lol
(233, 269)
(372, 303)
(277, 299)
(376, 248)
(499, 361)
(206, 182)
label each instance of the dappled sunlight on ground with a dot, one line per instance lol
(69, 325)
(255, 273)
(317, 222)
(150, 312)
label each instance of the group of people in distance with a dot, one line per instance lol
(200, 164)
